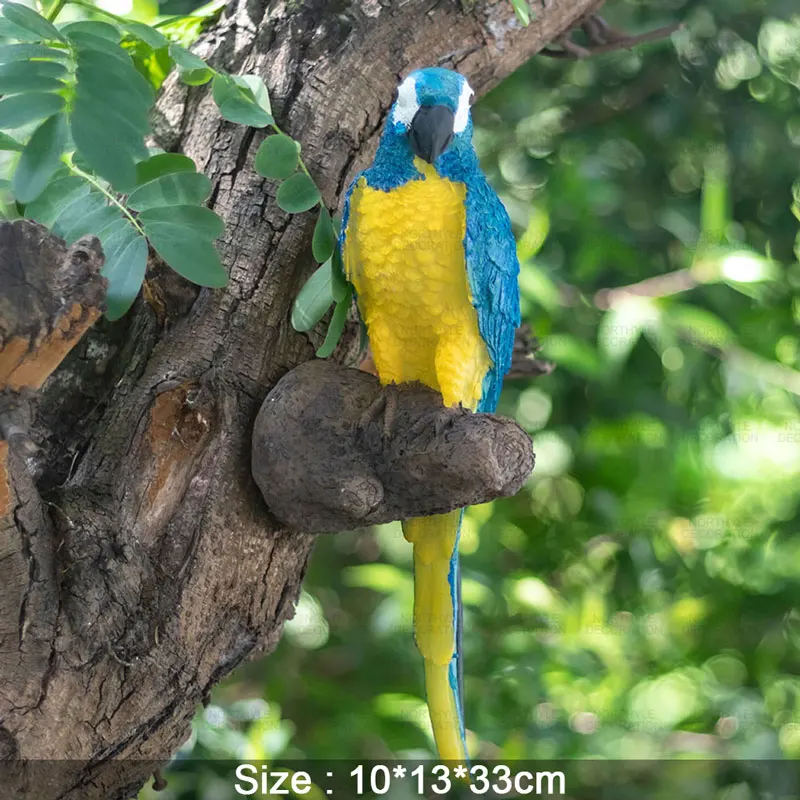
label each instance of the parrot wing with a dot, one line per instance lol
(493, 271)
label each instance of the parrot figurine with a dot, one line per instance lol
(428, 247)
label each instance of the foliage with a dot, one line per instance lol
(74, 119)
(639, 597)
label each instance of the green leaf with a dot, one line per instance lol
(93, 222)
(255, 88)
(701, 325)
(621, 327)
(114, 97)
(31, 76)
(86, 42)
(39, 69)
(94, 28)
(21, 109)
(40, 159)
(193, 257)
(277, 157)
(184, 58)
(10, 31)
(175, 188)
(193, 70)
(109, 119)
(522, 10)
(196, 77)
(197, 220)
(714, 216)
(61, 193)
(24, 52)
(105, 142)
(298, 193)
(7, 143)
(126, 260)
(162, 164)
(150, 36)
(339, 283)
(237, 105)
(313, 300)
(337, 325)
(29, 20)
(324, 241)
(72, 214)
(574, 354)
(120, 74)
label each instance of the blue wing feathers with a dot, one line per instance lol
(492, 269)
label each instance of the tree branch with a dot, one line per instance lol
(323, 466)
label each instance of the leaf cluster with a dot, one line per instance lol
(74, 121)
(278, 158)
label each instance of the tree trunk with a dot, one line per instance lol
(138, 563)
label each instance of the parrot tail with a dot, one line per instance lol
(437, 624)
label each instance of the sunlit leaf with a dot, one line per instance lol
(29, 20)
(255, 87)
(535, 234)
(714, 216)
(24, 52)
(148, 35)
(700, 325)
(237, 105)
(621, 327)
(9, 143)
(193, 70)
(574, 354)
(522, 10)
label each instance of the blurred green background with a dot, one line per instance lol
(640, 597)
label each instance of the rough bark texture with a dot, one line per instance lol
(49, 296)
(334, 451)
(138, 562)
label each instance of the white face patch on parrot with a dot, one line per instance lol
(407, 104)
(462, 112)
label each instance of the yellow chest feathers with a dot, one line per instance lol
(404, 253)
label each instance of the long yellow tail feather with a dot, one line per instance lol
(434, 539)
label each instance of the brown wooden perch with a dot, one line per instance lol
(322, 468)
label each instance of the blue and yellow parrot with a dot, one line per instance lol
(429, 249)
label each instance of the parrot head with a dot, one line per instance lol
(432, 111)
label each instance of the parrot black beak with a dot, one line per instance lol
(431, 132)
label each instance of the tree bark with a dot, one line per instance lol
(138, 563)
